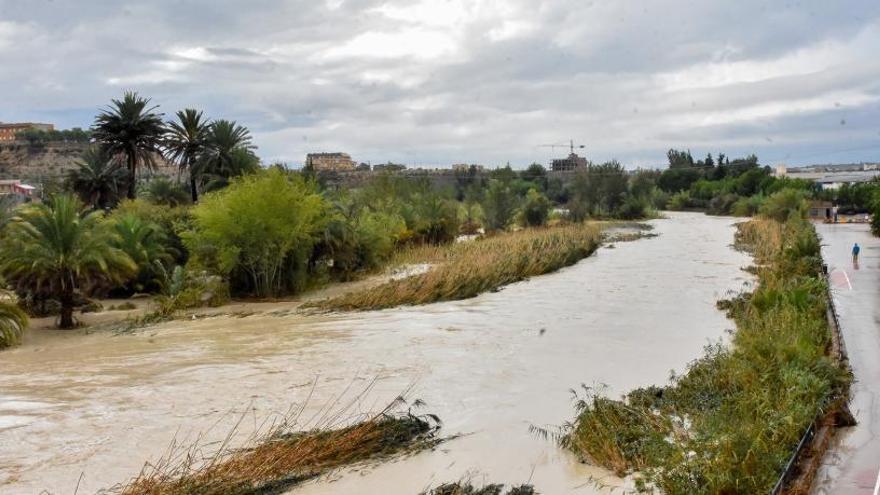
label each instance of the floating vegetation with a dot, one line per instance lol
(282, 458)
(464, 270)
(466, 488)
(732, 421)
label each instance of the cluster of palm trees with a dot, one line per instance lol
(67, 247)
(131, 136)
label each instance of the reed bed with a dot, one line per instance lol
(466, 488)
(467, 269)
(281, 459)
(731, 422)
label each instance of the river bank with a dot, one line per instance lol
(489, 366)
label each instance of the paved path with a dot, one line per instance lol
(852, 464)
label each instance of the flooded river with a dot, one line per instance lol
(97, 406)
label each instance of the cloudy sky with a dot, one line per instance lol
(435, 82)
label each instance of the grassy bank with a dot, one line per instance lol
(284, 459)
(467, 269)
(731, 422)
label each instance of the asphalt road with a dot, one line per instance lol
(852, 465)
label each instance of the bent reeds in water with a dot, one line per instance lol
(471, 268)
(465, 488)
(282, 459)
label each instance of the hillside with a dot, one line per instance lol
(39, 163)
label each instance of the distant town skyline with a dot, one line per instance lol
(449, 81)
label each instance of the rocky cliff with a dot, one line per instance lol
(47, 162)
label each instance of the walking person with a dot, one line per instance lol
(855, 253)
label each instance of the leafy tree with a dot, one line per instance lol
(186, 140)
(536, 209)
(536, 174)
(673, 180)
(61, 248)
(129, 128)
(597, 190)
(499, 205)
(679, 159)
(260, 231)
(97, 180)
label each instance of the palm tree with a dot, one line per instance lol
(164, 191)
(146, 244)
(13, 321)
(97, 180)
(185, 142)
(130, 129)
(229, 154)
(61, 248)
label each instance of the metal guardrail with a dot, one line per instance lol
(810, 432)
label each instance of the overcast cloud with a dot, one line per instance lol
(448, 81)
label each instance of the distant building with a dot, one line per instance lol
(20, 191)
(572, 162)
(8, 131)
(329, 162)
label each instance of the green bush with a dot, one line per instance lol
(260, 231)
(680, 201)
(183, 289)
(535, 210)
(785, 204)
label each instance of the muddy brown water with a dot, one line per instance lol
(90, 409)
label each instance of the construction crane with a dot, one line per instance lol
(570, 145)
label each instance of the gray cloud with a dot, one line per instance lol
(442, 81)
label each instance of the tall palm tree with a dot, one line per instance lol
(13, 321)
(131, 129)
(61, 248)
(229, 153)
(97, 180)
(185, 142)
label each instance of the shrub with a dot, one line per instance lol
(680, 201)
(785, 204)
(184, 289)
(260, 231)
(633, 208)
(747, 207)
(722, 204)
(535, 210)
